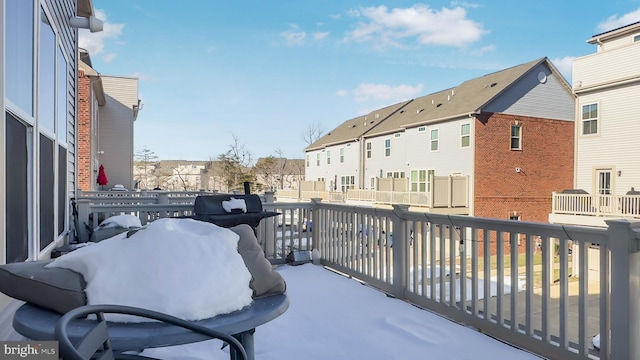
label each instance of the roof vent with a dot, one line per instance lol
(448, 97)
(433, 101)
(377, 116)
(453, 92)
(493, 84)
(419, 111)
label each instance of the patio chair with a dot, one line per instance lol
(95, 343)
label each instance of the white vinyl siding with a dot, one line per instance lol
(604, 67)
(618, 131)
(405, 157)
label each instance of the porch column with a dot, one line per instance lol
(400, 250)
(625, 289)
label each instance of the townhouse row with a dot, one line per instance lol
(508, 135)
(527, 144)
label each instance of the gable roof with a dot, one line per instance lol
(465, 99)
(353, 129)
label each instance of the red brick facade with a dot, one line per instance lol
(545, 162)
(85, 171)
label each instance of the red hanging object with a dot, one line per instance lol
(102, 177)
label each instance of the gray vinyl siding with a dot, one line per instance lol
(115, 129)
(61, 11)
(529, 97)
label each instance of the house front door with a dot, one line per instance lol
(604, 189)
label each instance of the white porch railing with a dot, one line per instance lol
(620, 206)
(548, 301)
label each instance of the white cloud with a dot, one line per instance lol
(377, 92)
(564, 65)
(614, 22)
(342, 93)
(447, 27)
(483, 50)
(294, 36)
(95, 42)
(320, 35)
(465, 4)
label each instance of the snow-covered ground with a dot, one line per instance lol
(333, 317)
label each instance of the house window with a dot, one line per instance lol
(396, 135)
(418, 180)
(19, 69)
(387, 147)
(636, 38)
(347, 182)
(465, 135)
(589, 119)
(307, 160)
(46, 75)
(434, 140)
(318, 159)
(369, 150)
(341, 155)
(422, 129)
(373, 183)
(328, 157)
(516, 137)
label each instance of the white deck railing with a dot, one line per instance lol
(620, 206)
(550, 301)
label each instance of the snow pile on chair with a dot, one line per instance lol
(187, 268)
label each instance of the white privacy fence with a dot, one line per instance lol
(542, 287)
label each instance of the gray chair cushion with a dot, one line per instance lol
(61, 289)
(57, 289)
(265, 281)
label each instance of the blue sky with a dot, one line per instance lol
(265, 72)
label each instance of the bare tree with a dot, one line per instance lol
(312, 133)
(236, 165)
(145, 160)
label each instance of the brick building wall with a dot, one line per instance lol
(545, 162)
(85, 171)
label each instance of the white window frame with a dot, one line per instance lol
(368, 146)
(595, 119)
(347, 182)
(318, 159)
(341, 155)
(464, 136)
(435, 141)
(516, 137)
(328, 157)
(387, 147)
